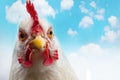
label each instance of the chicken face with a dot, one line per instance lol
(39, 47)
(36, 42)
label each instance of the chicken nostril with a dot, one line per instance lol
(33, 36)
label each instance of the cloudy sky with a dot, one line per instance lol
(88, 31)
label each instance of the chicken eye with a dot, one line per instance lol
(22, 36)
(50, 33)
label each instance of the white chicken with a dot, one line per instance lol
(37, 55)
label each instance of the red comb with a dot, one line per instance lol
(36, 27)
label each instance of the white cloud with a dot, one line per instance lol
(17, 10)
(113, 21)
(110, 35)
(82, 7)
(92, 49)
(86, 22)
(79, 65)
(112, 31)
(88, 74)
(118, 33)
(71, 32)
(99, 17)
(43, 8)
(100, 14)
(96, 67)
(67, 4)
(101, 11)
(93, 4)
(5, 60)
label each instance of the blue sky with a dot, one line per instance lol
(88, 32)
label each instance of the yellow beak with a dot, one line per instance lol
(38, 42)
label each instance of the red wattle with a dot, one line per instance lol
(48, 62)
(27, 64)
(49, 59)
